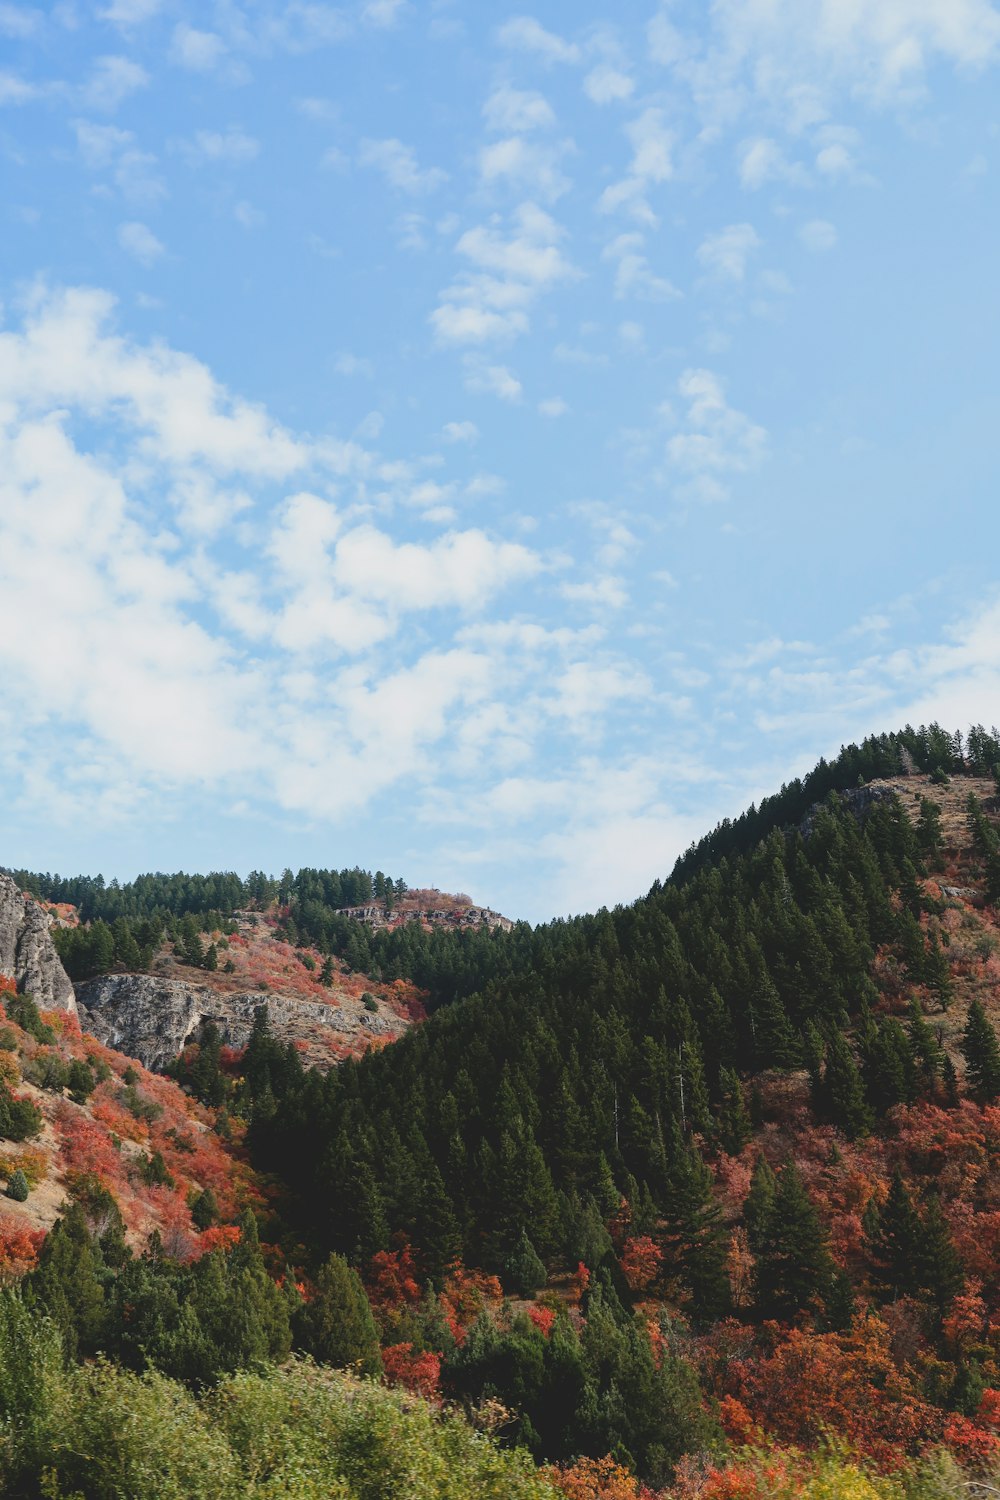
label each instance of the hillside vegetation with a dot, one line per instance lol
(696, 1198)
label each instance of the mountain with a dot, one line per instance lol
(672, 1197)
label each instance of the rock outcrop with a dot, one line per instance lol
(27, 953)
(152, 1019)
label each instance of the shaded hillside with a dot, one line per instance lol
(758, 1106)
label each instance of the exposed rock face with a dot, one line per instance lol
(858, 800)
(27, 953)
(152, 1019)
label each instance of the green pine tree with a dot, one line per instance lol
(523, 1271)
(982, 1054)
(844, 1091)
(338, 1327)
(794, 1267)
(734, 1128)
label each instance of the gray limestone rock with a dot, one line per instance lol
(27, 953)
(152, 1018)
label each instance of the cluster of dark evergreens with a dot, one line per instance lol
(930, 749)
(198, 1323)
(537, 1104)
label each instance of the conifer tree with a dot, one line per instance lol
(938, 974)
(338, 1327)
(68, 1284)
(894, 1242)
(734, 1126)
(695, 1230)
(794, 1267)
(923, 1044)
(913, 1255)
(523, 1270)
(982, 1054)
(944, 1276)
(844, 1091)
(759, 1204)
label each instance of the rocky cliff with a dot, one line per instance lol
(152, 1018)
(27, 953)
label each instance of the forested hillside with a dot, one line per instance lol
(762, 1097)
(670, 1197)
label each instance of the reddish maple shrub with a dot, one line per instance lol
(417, 1372)
(971, 1444)
(598, 1479)
(19, 1247)
(392, 1279)
(465, 1295)
(802, 1385)
(641, 1260)
(542, 1317)
(218, 1237)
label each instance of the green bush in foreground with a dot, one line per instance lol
(300, 1432)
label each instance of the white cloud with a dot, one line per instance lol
(111, 82)
(19, 21)
(553, 406)
(460, 432)
(130, 12)
(818, 235)
(14, 90)
(492, 380)
(652, 164)
(199, 51)
(382, 13)
(106, 148)
(600, 594)
(585, 690)
(492, 302)
(525, 34)
(634, 276)
(347, 363)
(762, 161)
(517, 110)
(398, 165)
(607, 85)
(230, 148)
(527, 166)
(121, 466)
(725, 254)
(140, 242)
(247, 216)
(715, 440)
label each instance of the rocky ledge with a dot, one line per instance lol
(27, 953)
(152, 1019)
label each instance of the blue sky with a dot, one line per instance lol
(489, 445)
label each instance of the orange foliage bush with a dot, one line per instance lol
(641, 1260)
(32, 1160)
(218, 1237)
(465, 1295)
(392, 1280)
(542, 1317)
(417, 1372)
(971, 1444)
(19, 1247)
(597, 1479)
(802, 1385)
